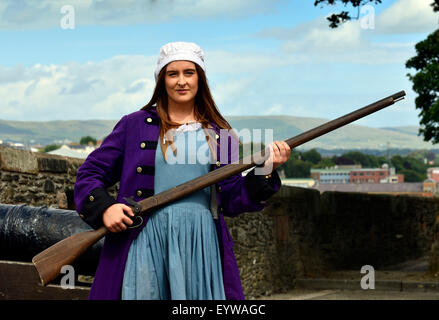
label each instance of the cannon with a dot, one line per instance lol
(26, 231)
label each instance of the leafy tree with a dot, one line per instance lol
(299, 164)
(413, 176)
(426, 63)
(414, 170)
(312, 156)
(426, 84)
(295, 154)
(325, 163)
(430, 155)
(51, 147)
(342, 160)
(336, 19)
(294, 168)
(414, 164)
(397, 162)
(366, 160)
(86, 140)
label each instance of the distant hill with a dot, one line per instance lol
(349, 137)
(408, 130)
(49, 132)
(352, 136)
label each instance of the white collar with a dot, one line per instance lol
(192, 126)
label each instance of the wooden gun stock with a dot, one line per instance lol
(50, 261)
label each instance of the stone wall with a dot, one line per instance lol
(37, 179)
(300, 233)
(275, 246)
(305, 234)
(356, 229)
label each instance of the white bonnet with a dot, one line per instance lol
(179, 51)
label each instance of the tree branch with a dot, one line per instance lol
(337, 18)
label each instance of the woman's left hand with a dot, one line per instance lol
(279, 153)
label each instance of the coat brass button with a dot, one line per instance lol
(216, 137)
(91, 198)
(143, 145)
(268, 176)
(139, 169)
(148, 120)
(139, 193)
(218, 163)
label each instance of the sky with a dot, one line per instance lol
(95, 59)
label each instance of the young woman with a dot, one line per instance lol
(184, 250)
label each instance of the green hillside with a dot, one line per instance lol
(349, 137)
(53, 131)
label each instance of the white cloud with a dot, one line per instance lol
(230, 93)
(317, 38)
(228, 63)
(110, 88)
(106, 89)
(21, 14)
(113, 87)
(408, 16)
(254, 83)
(315, 42)
(276, 108)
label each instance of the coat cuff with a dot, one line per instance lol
(95, 205)
(261, 187)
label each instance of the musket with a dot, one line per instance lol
(50, 261)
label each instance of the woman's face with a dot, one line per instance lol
(181, 81)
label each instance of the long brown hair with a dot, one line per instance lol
(205, 107)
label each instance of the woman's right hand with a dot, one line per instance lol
(114, 218)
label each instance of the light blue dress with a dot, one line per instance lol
(176, 256)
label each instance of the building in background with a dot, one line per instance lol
(404, 188)
(376, 175)
(336, 174)
(433, 173)
(376, 181)
(356, 175)
(333, 175)
(303, 183)
(429, 185)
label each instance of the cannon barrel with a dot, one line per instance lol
(26, 231)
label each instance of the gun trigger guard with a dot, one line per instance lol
(137, 221)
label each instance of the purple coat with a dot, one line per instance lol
(130, 146)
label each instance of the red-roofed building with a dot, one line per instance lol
(356, 175)
(376, 175)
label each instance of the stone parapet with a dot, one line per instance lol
(301, 233)
(37, 179)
